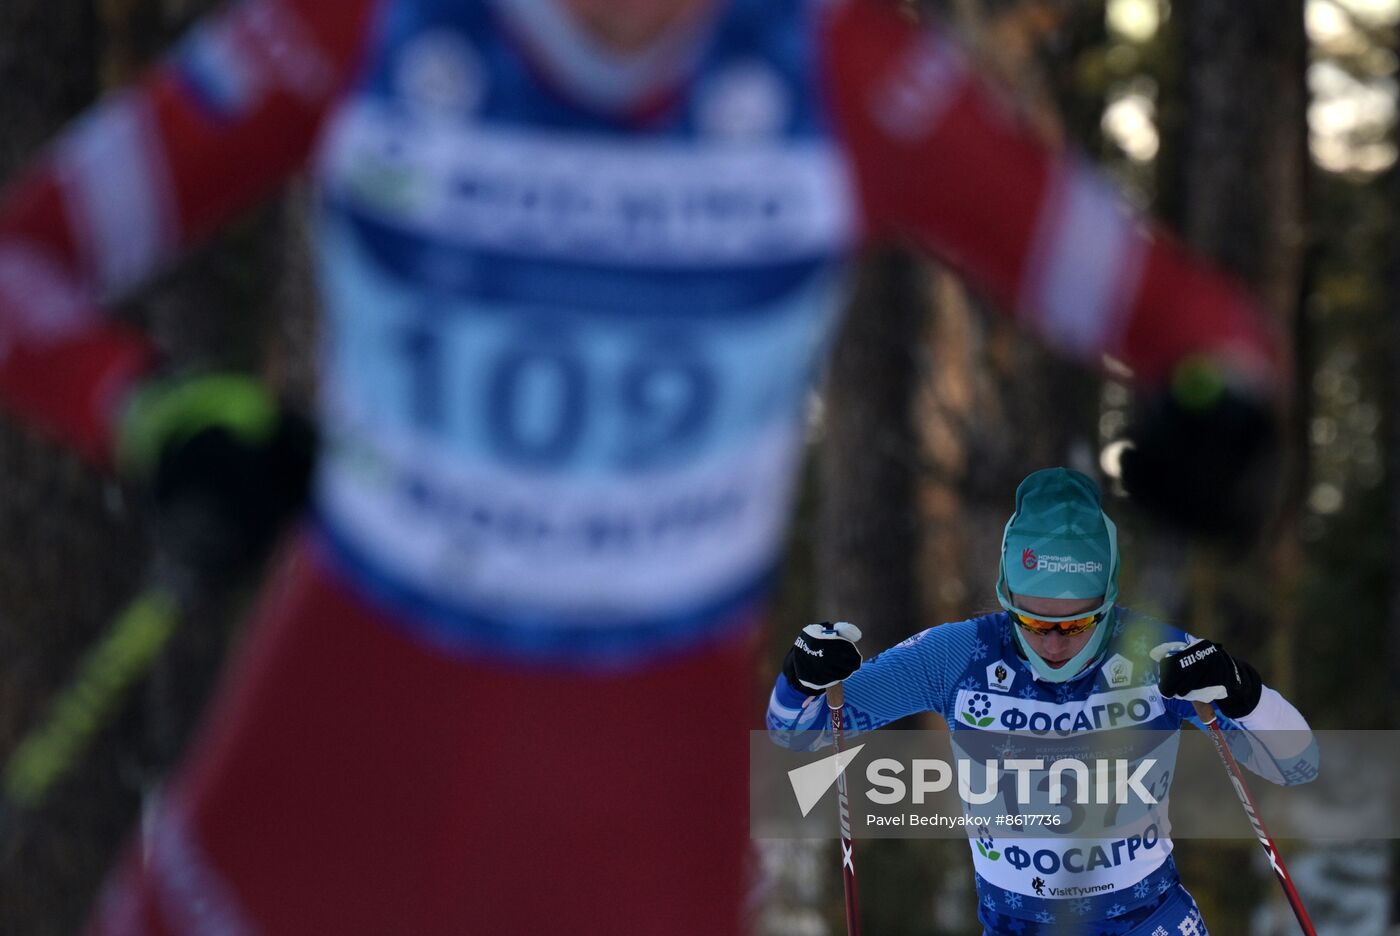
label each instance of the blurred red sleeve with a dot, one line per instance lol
(941, 158)
(147, 172)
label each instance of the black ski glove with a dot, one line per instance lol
(1204, 672)
(822, 656)
(224, 464)
(1203, 455)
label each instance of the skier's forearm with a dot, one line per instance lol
(216, 126)
(1274, 713)
(943, 158)
(146, 173)
(889, 687)
(906, 679)
(72, 388)
(797, 720)
(1275, 742)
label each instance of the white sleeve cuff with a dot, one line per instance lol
(1275, 714)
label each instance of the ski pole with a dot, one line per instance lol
(93, 696)
(1232, 767)
(836, 700)
(123, 655)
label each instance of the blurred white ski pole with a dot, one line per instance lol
(1232, 767)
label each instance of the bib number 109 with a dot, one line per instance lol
(542, 401)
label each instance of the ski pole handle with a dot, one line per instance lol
(836, 701)
(1206, 713)
(1222, 747)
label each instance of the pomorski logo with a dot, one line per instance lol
(1041, 563)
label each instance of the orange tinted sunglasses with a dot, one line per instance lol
(1068, 628)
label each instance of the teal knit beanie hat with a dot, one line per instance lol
(1059, 543)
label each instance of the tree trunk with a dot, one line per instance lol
(1239, 184)
(1391, 402)
(868, 532)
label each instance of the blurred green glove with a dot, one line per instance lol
(225, 465)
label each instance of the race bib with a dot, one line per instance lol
(558, 460)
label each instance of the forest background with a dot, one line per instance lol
(1263, 130)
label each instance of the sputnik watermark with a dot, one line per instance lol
(1115, 781)
(811, 781)
(940, 784)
